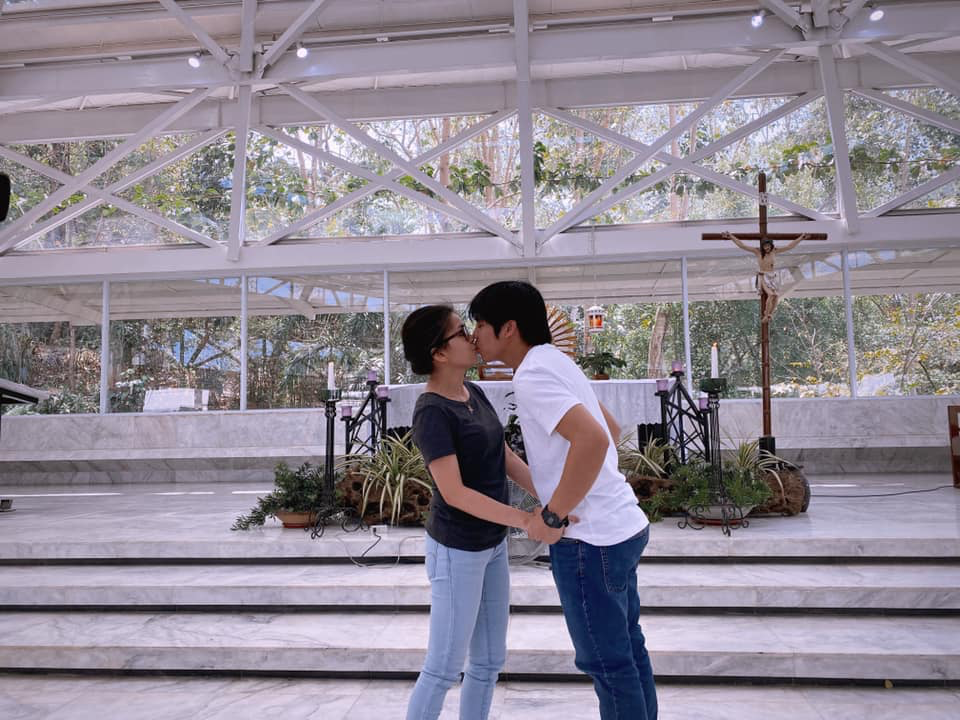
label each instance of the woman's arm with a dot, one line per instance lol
(612, 425)
(518, 471)
(446, 474)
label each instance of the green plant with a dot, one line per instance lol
(299, 490)
(394, 474)
(600, 362)
(693, 486)
(656, 458)
(761, 463)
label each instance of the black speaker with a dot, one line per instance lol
(4, 196)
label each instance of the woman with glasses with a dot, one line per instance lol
(461, 439)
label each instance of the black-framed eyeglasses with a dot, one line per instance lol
(462, 330)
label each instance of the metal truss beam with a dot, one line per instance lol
(477, 217)
(243, 61)
(788, 15)
(553, 46)
(132, 179)
(581, 246)
(914, 66)
(387, 181)
(521, 33)
(290, 35)
(587, 206)
(921, 114)
(18, 232)
(678, 164)
(238, 190)
(794, 78)
(846, 193)
(196, 29)
(99, 197)
(368, 175)
(917, 192)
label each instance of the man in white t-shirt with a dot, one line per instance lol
(569, 439)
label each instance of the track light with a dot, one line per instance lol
(194, 60)
(876, 14)
(302, 52)
(757, 20)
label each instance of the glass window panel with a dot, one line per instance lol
(298, 324)
(50, 340)
(907, 321)
(175, 345)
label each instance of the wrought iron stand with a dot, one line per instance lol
(722, 510)
(328, 503)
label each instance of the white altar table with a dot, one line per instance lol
(630, 401)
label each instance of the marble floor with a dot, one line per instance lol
(72, 698)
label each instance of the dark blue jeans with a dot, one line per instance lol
(598, 592)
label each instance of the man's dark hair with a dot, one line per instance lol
(422, 334)
(513, 300)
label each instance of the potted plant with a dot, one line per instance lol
(647, 471)
(789, 487)
(695, 492)
(391, 486)
(296, 496)
(599, 363)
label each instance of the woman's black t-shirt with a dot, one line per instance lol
(472, 431)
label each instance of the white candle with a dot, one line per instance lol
(331, 383)
(714, 362)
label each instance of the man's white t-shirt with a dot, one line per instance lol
(547, 385)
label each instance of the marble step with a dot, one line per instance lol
(701, 646)
(44, 697)
(864, 588)
(763, 541)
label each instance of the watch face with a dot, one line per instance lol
(551, 519)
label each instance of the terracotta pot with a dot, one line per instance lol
(296, 519)
(601, 376)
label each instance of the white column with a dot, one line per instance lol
(848, 307)
(686, 321)
(521, 34)
(105, 350)
(386, 327)
(243, 342)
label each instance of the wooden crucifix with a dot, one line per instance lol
(767, 287)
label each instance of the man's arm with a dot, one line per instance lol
(612, 425)
(588, 448)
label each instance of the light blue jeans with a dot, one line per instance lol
(469, 608)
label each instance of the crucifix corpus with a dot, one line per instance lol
(767, 287)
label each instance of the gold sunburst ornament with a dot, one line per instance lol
(563, 331)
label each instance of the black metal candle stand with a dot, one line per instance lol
(329, 508)
(722, 511)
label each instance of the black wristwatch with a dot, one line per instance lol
(552, 520)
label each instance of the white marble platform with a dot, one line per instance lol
(192, 521)
(78, 698)
(790, 647)
(827, 435)
(685, 585)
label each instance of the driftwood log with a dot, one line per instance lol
(414, 504)
(789, 493)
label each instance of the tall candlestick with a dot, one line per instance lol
(714, 362)
(331, 383)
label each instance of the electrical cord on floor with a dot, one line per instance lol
(383, 563)
(893, 494)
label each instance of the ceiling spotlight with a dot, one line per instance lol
(757, 20)
(302, 52)
(194, 60)
(876, 14)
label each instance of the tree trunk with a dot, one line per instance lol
(657, 336)
(444, 168)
